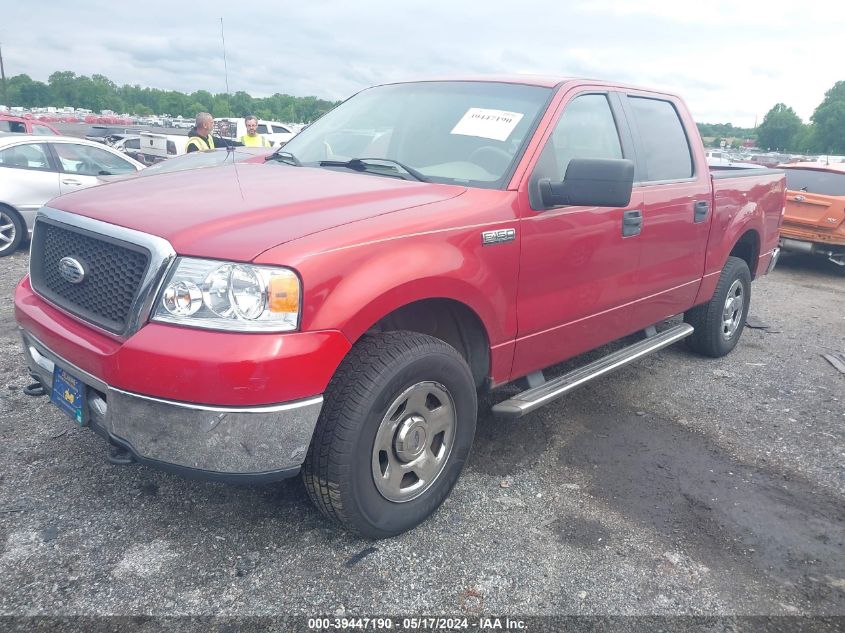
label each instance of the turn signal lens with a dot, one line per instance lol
(283, 293)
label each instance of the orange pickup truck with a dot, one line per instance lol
(815, 210)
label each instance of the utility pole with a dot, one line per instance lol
(3, 79)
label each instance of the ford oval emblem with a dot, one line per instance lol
(71, 270)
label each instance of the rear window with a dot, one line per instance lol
(12, 126)
(813, 181)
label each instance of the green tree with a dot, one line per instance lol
(779, 128)
(64, 88)
(829, 121)
(25, 92)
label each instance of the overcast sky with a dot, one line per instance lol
(731, 60)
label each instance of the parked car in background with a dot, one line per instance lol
(35, 169)
(815, 210)
(20, 125)
(234, 128)
(150, 148)
(106, 133)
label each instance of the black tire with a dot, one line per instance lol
(12, 231)
(340, 469)
(718, 326)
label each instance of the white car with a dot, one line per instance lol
(35, 169)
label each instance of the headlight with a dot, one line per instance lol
(227, 296)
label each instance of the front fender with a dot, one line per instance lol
(372, 281)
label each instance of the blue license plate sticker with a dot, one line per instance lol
(69, 394)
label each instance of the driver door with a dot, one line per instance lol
(578, 265)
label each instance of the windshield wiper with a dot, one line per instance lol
(284, 157)
(365, 164)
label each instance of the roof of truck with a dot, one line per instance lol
(543, 81)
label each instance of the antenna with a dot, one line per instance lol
(225, 66)
(230, 149)
(3, 80)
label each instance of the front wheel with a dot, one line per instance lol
(12, 231)
(719, 322)
(394, 434)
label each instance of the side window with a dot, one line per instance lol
(29, 156)
(586, 129)
(42, 129)
(90, 161)
(261, 128)
(278, 129)
(133, 143)
(12, 126)
(662, 138)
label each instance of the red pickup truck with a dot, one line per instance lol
(334, 309)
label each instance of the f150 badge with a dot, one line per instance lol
(497, 237)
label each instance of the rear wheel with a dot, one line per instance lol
(394, 434)
(12, 231)
(719, 322)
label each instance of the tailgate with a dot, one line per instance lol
(824, 213)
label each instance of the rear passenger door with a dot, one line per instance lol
(676, 196)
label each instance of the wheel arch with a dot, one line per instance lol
(449, 320)
(747, 248)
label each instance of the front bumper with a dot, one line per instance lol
(259, 443)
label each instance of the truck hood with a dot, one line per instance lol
(224, 213)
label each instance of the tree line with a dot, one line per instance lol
(783, 129)
(97, 93)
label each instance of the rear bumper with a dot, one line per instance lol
(260, 443)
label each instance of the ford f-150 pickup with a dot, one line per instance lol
(335, 309)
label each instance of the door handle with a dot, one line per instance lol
(701, 209)
(632, 222)
(70, 181)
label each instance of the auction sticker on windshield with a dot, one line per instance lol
(493, 124)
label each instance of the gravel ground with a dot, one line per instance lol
(679, 485)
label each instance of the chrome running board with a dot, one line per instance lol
(532, 399)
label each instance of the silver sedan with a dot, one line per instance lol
(35, 169)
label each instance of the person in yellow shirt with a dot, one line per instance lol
(200, 138)
(252, 138)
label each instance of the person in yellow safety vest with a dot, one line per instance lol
(253, 138)
(199, 137)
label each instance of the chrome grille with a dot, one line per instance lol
(119, 275)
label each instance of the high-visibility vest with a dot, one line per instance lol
(200, 143)
(254, 141)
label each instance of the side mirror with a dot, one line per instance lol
(591, 182)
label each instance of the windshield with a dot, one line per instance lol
(815, 181)
(453, 132)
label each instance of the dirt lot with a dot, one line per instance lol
(680, 485)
